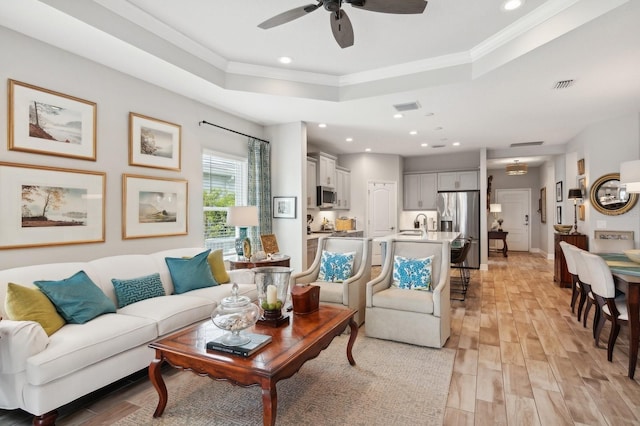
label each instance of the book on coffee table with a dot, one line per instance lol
(257, 342)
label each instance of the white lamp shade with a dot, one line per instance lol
(242, 216)
(495, 208)
(632, 187)
(630, 172)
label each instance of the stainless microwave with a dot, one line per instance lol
(326, 196)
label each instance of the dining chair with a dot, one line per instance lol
(586, 294)
(571, 267)
(612, 308)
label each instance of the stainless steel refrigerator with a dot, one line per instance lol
(459, 211)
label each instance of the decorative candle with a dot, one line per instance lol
(272, 296)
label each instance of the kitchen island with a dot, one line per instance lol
(414, 235)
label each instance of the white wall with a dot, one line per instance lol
(116, 94)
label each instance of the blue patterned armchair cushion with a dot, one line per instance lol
(137, 289)
(412, 274)
(335, 267)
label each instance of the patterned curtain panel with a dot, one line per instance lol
(259, 189)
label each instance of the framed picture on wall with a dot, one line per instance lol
(42, 121)
(154, 143)
(559, 191)
(581, 212)
(543, 205)
(581, 166)
(559, 215)
(284, 207)
(48, 206)
(582, 184)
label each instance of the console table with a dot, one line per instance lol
(499, 235)
(247, 264)
(560, 272)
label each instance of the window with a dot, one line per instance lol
(224, 184)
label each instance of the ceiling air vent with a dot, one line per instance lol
(534, 143)
(410, 106)
(563, 84)
(438, 146)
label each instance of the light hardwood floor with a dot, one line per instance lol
(522, 358)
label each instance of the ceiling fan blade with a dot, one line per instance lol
(391, 6)
(288, 16)
(341, 28)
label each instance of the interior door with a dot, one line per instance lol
(382, 215)
(516, 212)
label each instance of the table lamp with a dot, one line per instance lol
(495, 209)
(242, 217)
(575, 194)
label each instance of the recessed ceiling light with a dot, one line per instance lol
(367, 150)
(456, 144)
(398, 115)
(349, 139)
(413, 132)
(284, 60)
(424, 144)
(322, 125)
(512, 4)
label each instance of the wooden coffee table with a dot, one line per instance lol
(292, 345)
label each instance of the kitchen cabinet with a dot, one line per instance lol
(312, 247)
(458, 181)
(560, 272)
(420, 191)
(312, 167)
(343, 189)
(326, 169)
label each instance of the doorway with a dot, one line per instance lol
(382, 214)
(516, 212)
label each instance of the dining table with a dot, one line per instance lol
(626, 276)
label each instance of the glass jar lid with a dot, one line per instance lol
(235, 301)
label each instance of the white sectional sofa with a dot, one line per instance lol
(39, 373)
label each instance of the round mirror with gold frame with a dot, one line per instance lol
(609, 197)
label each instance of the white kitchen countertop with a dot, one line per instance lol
(414, 235)
(315, 235)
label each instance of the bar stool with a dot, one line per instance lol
(460, 284)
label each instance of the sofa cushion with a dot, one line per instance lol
(402, 300)
(335, 267)
(137, 289)
(77, 298)
(76, 346)
(216, 263)
(30, 304)
(412, 274)
(190, 274)
(171, 312)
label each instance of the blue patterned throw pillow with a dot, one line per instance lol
(335, 267)
(412, 274)
(137, 289)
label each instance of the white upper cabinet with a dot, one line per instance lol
(343, 189)
(458, 181)
(312, 167)
(326, 170)
(420, 191)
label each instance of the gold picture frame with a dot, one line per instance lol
(48, 206)
(543, 205)
(581, 212)
(581, 166)
(153, 206)
(269, 243)
(154, 143)
(42, 121)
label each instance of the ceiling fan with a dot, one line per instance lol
(340, 23)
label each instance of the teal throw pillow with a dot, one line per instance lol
(335, 267)
(190, 274)
(412, 274)
(77, 298)
(137, 289)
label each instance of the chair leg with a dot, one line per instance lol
(574, 294)
(583, 299)
(586, 312)
(598, 324)
(615, 330)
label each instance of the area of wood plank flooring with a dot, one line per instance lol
(522, 358)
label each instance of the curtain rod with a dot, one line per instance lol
(231, 130)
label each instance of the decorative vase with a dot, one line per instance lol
(272, 283)
(234, 314)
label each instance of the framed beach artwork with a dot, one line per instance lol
(154, 143)
(47, 206)
(42, 121)
(153, 206)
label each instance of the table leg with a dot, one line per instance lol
(505, 248)
(352, 340)
(156, 379)
(269, 403)
(633, 307)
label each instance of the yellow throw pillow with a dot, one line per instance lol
(28, 304)
(216, 263)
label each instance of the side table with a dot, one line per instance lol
(500, 235)
(247, 264)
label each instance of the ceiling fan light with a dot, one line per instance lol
(517, 169)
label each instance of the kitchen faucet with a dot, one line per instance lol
(416, 224)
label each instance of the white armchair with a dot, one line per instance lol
(350, 292)
(411, 316)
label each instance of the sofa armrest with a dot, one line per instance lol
(242, 276)
(19, 340)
